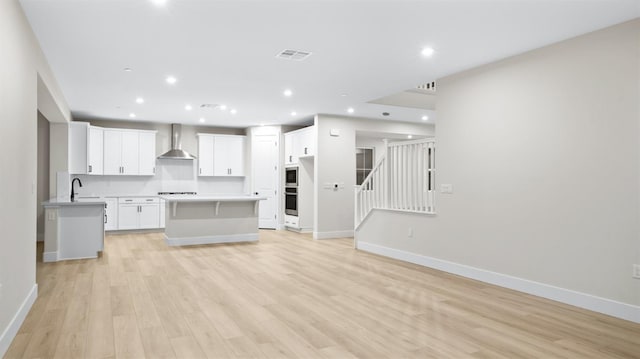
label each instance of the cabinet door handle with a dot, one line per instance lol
(105, 218)
(90, 169)
(290, 158)
(201, 170)
(154, 170)
(305, 150)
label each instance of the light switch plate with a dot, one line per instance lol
(335, 132)
(446, 188)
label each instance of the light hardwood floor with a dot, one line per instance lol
(291, 296)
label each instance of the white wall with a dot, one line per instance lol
(20, 65)
(335, 162)
(542, 150)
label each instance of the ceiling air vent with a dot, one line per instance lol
(294, 55)
(429, 86)
(209, 106)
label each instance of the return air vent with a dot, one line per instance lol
(294, 55)
(429, 86)
(209, 106)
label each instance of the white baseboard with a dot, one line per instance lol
(225, 238)
(334, 234)
(567, 296)
(12, 329)
(50, 257)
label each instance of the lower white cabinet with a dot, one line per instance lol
(111, 214)
(163, 209)
(291, 221)
(138, 213)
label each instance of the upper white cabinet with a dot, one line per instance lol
(220, 155)
(205, 155)
(85, 149)
(95, 155)
(147, 153)
(228, 156)
(299, 144)
(289, 157)
(129, 152)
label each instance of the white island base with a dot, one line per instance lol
(195, 220)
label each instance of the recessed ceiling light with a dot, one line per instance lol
(293, 113)
(171, 80)
(409, 136)
(139, 100)
(159, 2)
(425, 117)
(132, 115)
(223, 107)
(344, 94)
(287, 93)
(127, 69)
(428, 52)
(188, 107)
(201, 119)
(233, 111)
(350, 110)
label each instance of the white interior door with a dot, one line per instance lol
(264, 164)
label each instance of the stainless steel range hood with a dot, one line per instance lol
(176, 152)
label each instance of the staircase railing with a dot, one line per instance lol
(403, 180)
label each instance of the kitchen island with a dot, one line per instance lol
(208, 219)
(73, 230)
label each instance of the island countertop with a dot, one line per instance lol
(211, 198)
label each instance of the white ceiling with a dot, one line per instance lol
(223, 52)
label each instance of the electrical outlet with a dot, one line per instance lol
(410, 232)
(636, 271)
(446, 188)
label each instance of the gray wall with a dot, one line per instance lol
(21, 64)
(336, 162)
(542, 150)
(43, 172)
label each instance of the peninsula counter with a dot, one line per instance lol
(207, 219)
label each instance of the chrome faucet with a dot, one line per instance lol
(72, 189)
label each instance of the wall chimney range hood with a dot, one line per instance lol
(176, 152)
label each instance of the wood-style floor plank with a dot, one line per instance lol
(289, 296)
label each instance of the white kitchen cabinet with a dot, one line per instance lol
(205, 155)
(85, 149)
(147, 153)
(96, 148)
(306, 145)
(128, 216)
(130, 157)
(111, 214)
(149, 216)
(299, 144)
(220, 155)
(112, 152)
(138, 213)
(228, 156)
(78, 147)
(288, 149)
(129, 152)
(163, 210)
